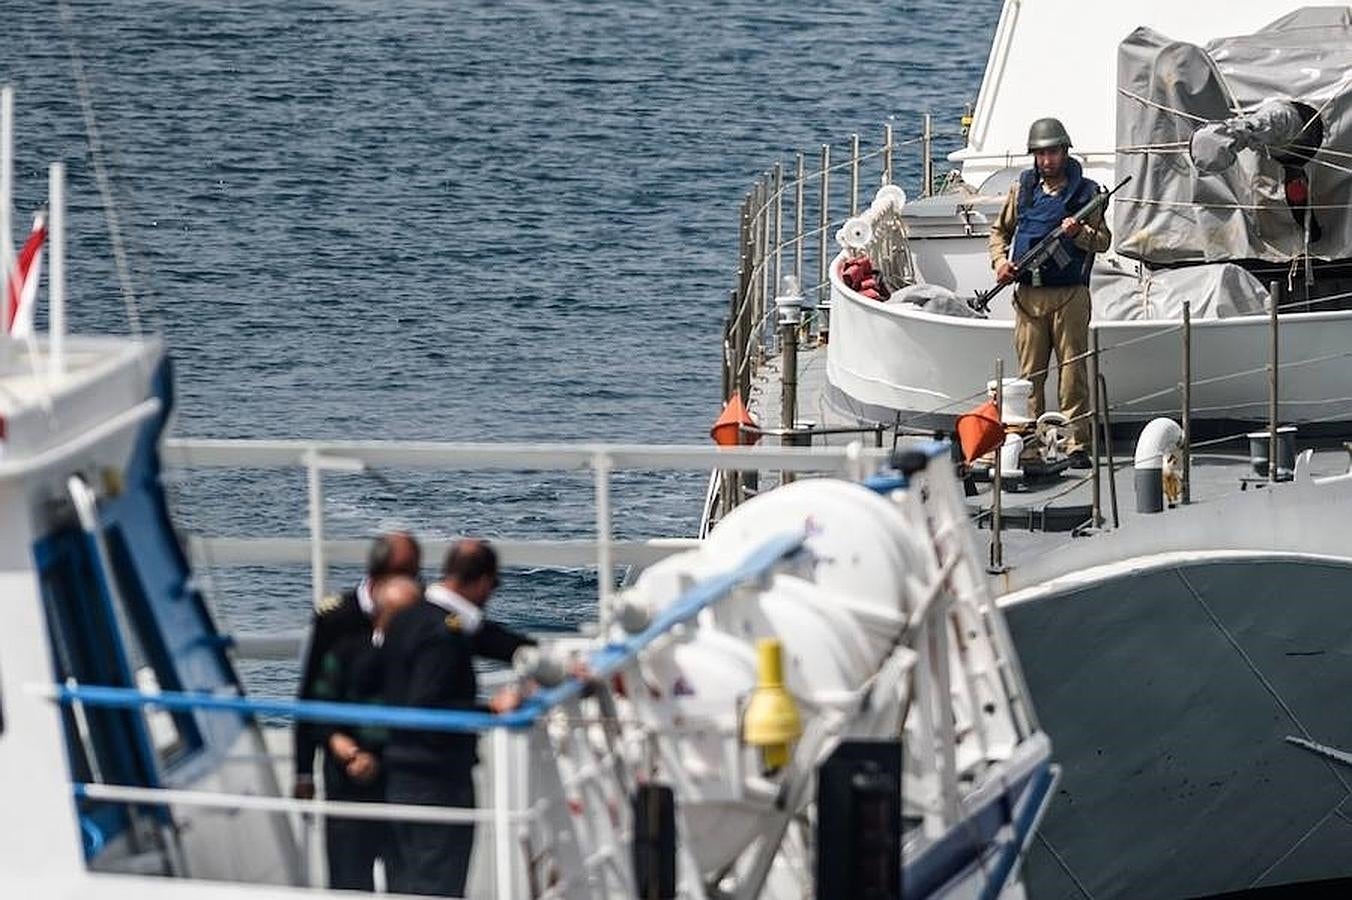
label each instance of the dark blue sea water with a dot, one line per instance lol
(451, 221)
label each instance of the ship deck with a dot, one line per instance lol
(1039, 517)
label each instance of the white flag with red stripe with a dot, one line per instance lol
(23, 280)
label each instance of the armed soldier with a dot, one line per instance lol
(1051, 303)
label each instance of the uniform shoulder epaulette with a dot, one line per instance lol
(329, 604)
(453, 624)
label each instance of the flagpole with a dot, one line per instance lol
(56, 278)
(6, 203)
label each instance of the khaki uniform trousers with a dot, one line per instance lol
(1047, 318)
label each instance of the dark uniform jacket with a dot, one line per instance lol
(340, 636)
(494, 641)
(426, 660)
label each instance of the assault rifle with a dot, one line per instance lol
(1047, 248)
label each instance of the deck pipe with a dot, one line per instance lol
(1159, 437)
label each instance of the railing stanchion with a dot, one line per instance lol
(798, 219)
(745, 285)
(601, 466)
(767, 247)
(315, 495)
(823, 288)
(503, 843)
(927, 157)
(1187, 402)
(757, 273)
(1096, 495)
(789, 309)
(854, 175)
(727, 352)
(1102, 389)
(887, 154)
(779, 224)
(1274, 300)
(997, 482)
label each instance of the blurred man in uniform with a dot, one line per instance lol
(1051, 305)
(427, 661)
(340, 634)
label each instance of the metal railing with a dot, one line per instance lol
(762, 245)
(321, 459)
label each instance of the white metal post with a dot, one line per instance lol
(601, 466)
(56, 280)
(502, 825)
(315, 494)
(6, 200)
(887, 154)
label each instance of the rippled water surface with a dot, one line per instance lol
(449, 221)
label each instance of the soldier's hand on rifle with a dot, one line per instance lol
(1006, 272)
(1070, 226)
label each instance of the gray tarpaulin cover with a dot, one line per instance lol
(1168, 89)
(1216, 291)
(933, 298)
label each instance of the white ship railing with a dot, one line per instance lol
(765, 254)
(321, 459)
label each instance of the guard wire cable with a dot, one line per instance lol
(1046, 370)
(1183, 147)
(1241, 373)
(1334, 95)
(1146, 201)
(1328, 151)
(1145, 150)
(101, 174)
(1169, 109)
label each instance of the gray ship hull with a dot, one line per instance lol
(1169, 695)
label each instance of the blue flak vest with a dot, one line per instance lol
(1038, 215)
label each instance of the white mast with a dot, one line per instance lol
(56, 280)
(6, 200)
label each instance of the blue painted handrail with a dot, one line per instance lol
(603, 662)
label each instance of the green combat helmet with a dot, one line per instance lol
(1047, 133)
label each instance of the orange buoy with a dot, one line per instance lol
(980, 431)
(727, 430)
